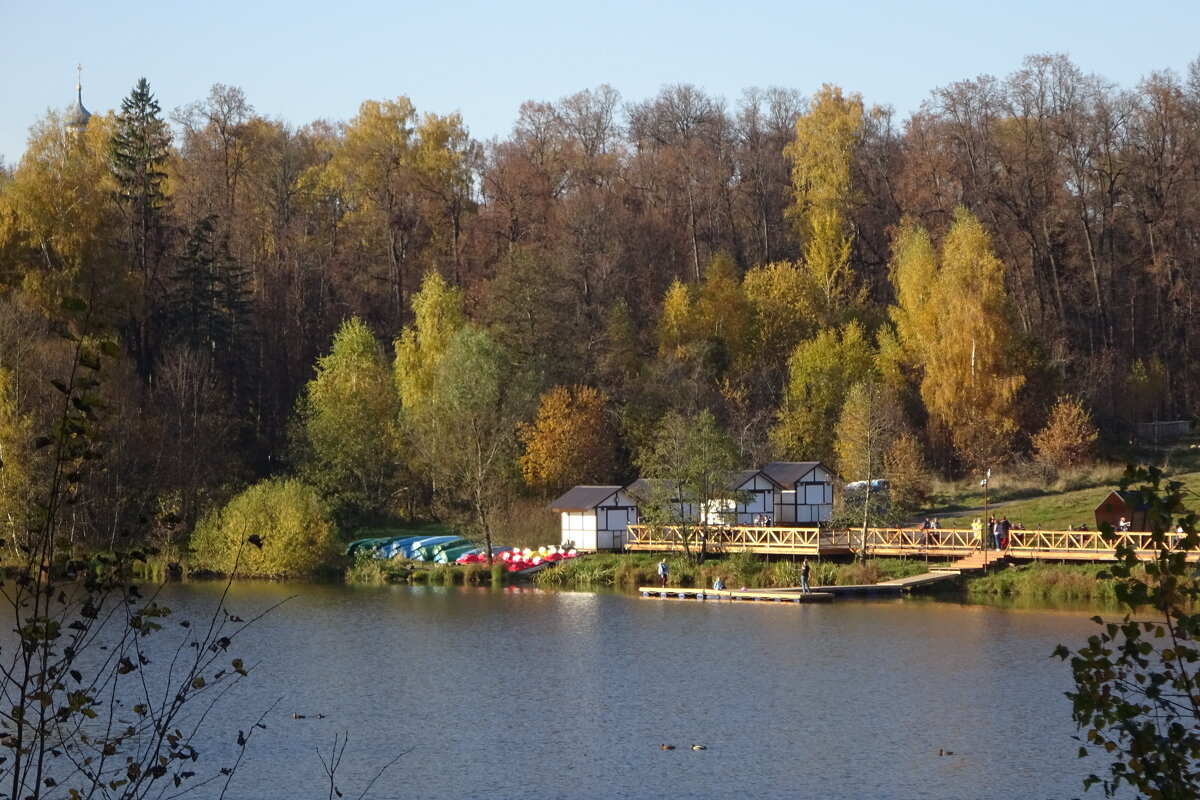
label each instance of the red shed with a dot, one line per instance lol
(1122, 504)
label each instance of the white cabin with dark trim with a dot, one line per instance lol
(805, 496)
(754, 498)
(595, 517)
(650, 491)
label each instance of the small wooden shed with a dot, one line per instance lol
(806, 494)
(595, 517)
(1122, 504)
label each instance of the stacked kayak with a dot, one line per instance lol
(448, 549)
(415, 548)
(523, 560)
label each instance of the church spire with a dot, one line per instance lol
(77, 117)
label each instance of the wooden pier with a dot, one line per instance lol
(765, 595)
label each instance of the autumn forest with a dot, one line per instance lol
(395, 320)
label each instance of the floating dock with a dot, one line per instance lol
(819, 594)
(763, 595)
(897, 586)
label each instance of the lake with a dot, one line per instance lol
(526, 693)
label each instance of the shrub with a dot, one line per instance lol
(908, 475)
(281, 529)
(1068, 438)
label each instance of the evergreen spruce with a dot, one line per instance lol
(138, 151)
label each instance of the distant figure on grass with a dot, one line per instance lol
(805, 569)
(663, 569)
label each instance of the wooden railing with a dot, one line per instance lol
(904, 542)
(914, 541)
(737, 539)
(1083, 545)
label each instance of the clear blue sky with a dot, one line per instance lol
(302, 61)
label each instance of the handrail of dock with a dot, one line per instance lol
(737, 539)
(889, 541)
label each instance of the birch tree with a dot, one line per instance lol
(821, 156)
(952, 317)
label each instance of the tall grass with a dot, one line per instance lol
(1042, 581)
(752, 571)
(367, 570)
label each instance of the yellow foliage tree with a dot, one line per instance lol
(781, 295)
(723, 313)
(347, 424)
(821, 154)
(952, 318)
(570, 440)
(1068, 438)
(370, 168)
(907, 473)
(822, 371)
(60, 206)
(438, 312)
(676, 326)
(443, 157)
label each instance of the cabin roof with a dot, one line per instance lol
(740, 479)
(1132, 500)
(583, 498)
(642, 487)
(789, 473)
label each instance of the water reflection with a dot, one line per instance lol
(505, 693)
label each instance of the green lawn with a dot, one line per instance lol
(1038, 508)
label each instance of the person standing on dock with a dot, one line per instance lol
(663, 569)
(805, 569)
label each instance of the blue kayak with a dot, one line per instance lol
(420, 550)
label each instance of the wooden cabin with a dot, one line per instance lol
(805, 496)
(595, 517)
(1122, 504)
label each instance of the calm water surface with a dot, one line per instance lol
(524, 693)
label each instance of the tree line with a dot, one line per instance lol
(411, 320)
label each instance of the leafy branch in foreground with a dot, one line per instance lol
(1136, 698)
(93, 701)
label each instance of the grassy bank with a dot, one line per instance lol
(1037, 504)
(366, 570)
(1040, 581)
(638, 569)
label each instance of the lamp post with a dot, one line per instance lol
(986, 530)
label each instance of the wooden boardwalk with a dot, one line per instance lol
(898, 542)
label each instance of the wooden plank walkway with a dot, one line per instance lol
(768, 595)
(894, 587)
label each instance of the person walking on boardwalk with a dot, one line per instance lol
(662, 572)
(996, 531)
(805, 568)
